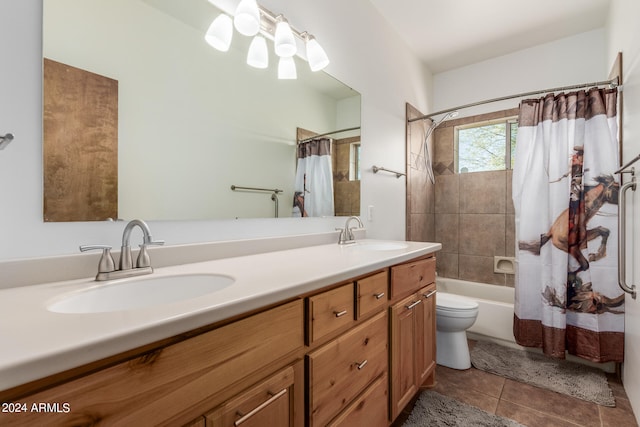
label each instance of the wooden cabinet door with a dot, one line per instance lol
(269, 403)
(369, 409)
(426, 336)
(403, 353)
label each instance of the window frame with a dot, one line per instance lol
(508, 121)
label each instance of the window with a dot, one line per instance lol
(354, 161)
(486, 146)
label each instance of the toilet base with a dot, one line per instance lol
(452, 350)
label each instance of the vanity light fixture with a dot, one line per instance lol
(287, 68)
(258, 55)
(285, 43)
(253, 20)
(316, 55)
(247, 18)
(220, 33)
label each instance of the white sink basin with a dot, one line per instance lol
(139, 292)
(381, 246)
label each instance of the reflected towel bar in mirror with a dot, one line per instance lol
(274, 190)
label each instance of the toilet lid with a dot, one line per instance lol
(454, 302)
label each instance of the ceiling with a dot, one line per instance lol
(448, 34)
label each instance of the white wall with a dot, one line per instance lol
(569, 61)
(375, 63)
(624, 36)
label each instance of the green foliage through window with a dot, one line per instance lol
(486, 147)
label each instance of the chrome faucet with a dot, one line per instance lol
(106, 266)
(346, 234)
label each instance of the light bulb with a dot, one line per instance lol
(247, 18)
(258, 55)
(220, 32)
(287, 68)
(316, 55)
(285, 44)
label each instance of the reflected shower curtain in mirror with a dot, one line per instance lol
(565, 196)
(314, 179)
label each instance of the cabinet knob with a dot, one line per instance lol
(340, 313)
(378, 296)
(361, 365)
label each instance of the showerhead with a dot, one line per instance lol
(449, 115)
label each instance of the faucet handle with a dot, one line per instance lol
(143, 256)
(106, 263)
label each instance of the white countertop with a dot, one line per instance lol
(36, 343)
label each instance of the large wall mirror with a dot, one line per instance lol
(190, 121)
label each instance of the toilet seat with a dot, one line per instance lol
(451, 302)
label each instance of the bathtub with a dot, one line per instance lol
(495, 314)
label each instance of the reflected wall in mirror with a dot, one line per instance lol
(193, 121)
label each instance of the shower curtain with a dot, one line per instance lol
(565, 197)
(313, 191)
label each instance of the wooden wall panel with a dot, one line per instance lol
(80, 144)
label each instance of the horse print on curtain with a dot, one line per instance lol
(565, 197)
(313, 191)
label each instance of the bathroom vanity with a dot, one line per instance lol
(326, 335)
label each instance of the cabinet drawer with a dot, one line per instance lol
(330, 311)
(410, 277)
(171, 385)
(344, 367)
(269, 403)
(369, 409)
(371, 293)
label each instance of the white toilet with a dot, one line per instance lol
(454, 315)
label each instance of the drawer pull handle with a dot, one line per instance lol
(260, 407)
(413, 304)
(361, 365)
(378, 296)
(340, 313)
(430, 294)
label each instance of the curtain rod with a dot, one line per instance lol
(613, 83)
(328, 133)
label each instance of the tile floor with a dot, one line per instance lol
(529, 405)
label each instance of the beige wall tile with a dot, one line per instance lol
(510, 235)
(422, 228)
(443, 149)
(483, 192)
(421, 197)
(446, 231)
(508, 195)
(479, 269)
(447, 264)
(482, 234)
(447, 194)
